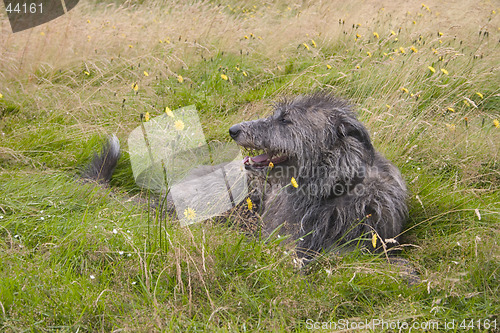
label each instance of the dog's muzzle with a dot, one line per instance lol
(260, 161)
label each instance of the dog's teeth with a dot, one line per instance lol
(250, 161)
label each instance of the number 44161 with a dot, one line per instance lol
(486, 324)
(25, 8)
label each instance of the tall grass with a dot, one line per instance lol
(76, 257)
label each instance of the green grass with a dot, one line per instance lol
(76, 257)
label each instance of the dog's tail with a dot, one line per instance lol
(102, 165)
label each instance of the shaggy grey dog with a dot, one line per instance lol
(346, 190)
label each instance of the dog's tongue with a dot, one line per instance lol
(263, 160)
(260, 158)
(258, 161)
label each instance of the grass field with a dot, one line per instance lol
(425, 79)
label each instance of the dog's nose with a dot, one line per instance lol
(234, 131)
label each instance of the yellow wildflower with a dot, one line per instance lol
(369, 53)
(451, 109)
(147, 116)
(130, 46)
(294, 182)
(451, 126)
(414, 49)
(88, 21)
(388, 106)
(374, 240)
(146, 73)
(249, 204)
(271, 165)
(1, 96)
(358, 36)
(179, 125)
(434, 51)
(313, 43)
(496, 123)
(376, 34)
(86, 73)
(189, 213)
(444, 71)
(169, 112)
(431, 69)
(135, 86)
(466, 102)
(402, 50)
(403, 89)
(328, 67)
(393, 33)
(224, 77)
(180, 78)
(306, 46)
(480, 95)
(245, 73)
(246, 37)
(440, 33)
(42, 33)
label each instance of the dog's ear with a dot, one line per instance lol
(357, 131)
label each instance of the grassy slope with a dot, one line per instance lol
(77, 257)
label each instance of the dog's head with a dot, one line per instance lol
(318, 134)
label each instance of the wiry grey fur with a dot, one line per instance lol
(347, 191)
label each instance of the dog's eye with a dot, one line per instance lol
(284, 120)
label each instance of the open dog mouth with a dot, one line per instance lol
(263, 160)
